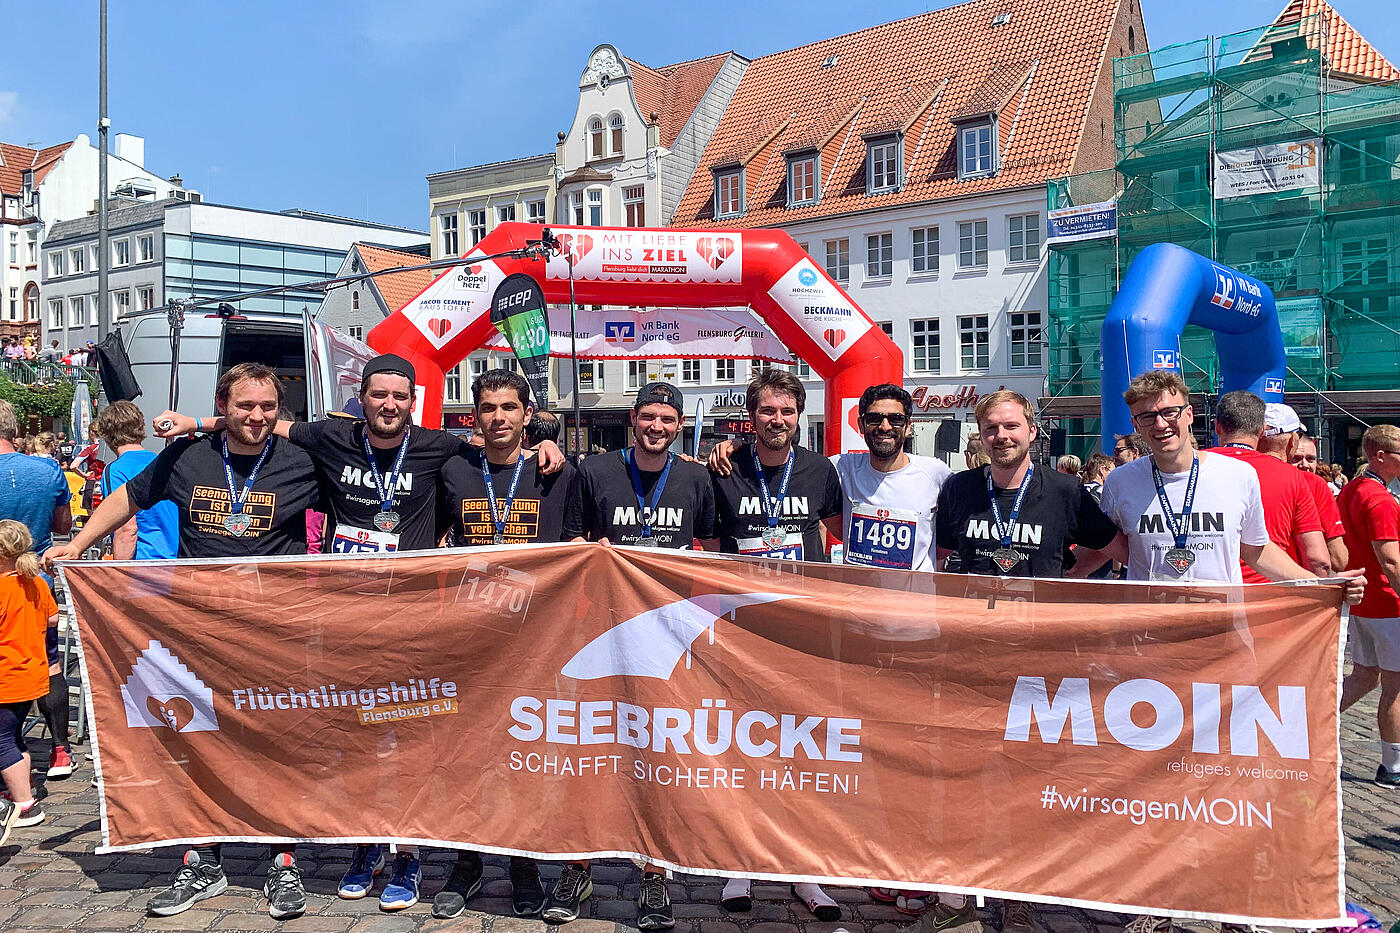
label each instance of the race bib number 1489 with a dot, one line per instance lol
(882, 537)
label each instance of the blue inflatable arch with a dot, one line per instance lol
(1168, 287)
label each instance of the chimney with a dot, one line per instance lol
(131, 148)
(177, 181)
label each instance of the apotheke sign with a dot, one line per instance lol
(966, 396)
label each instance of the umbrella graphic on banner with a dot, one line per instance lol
(517, 310)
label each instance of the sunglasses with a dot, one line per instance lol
(872, 419)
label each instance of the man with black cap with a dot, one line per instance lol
(644, 496)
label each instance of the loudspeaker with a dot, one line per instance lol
(114, 369)
(948, 440)
(1059, 439)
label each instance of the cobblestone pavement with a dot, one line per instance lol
(51, 880)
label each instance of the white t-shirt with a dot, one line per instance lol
(888, 519)
(1227, 511)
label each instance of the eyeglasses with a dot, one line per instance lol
(872, 419)
(1146, 419)
(1121, 450)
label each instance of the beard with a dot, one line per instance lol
(245, 433)
(884, 446)
(379, 429)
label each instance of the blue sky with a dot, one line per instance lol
(345, 107)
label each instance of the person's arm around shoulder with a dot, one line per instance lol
(170, 424)
(720, 454)
(115, 511)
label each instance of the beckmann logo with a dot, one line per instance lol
(162, 693)
(619, 332)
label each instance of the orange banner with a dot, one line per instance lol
(1134, 747)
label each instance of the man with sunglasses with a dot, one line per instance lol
(1129, 447)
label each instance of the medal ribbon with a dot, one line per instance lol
(648, 510)
(499, 517)
(1004, 529)
(1179, 525)
(235, 501)
(386, 493)
(773, 508)
(1375, 477)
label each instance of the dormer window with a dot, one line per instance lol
(883, 164)
(976, 156)
(803, 186)
(595, 138)
(615, 131)
(729, 192)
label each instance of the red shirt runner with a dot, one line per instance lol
(1326, 501)
(1370, 514)
(1289, 509)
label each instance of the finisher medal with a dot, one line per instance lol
(647, 541)
(773, 538)
(1005, 558)
(237, 522)
(386, 520)
(775, 535)
(1180, 559)
(498, 538)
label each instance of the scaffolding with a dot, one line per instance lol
(1327, 249)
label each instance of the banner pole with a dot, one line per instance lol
(573, 344)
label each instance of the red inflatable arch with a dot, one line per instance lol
(655, 267)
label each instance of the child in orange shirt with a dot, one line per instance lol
(27, 609)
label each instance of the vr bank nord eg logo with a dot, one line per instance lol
(651, 644)
(619, 332)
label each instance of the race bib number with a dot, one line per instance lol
(351, 540)
(791, 548)
(882, 537)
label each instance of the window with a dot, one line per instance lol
(447, 227)
(804, 369)
(595, 138)
(974, 341)
(923, 340)
(690, 371)
(505, 213)
(576, 207)
(31, 253)
(595, 207)
(534, 212)
(886, 326)
(975, 150)
(724, 370)
(1023, 238)
(1366, 162)
(14, 247)
(802, 179)
(508, 362)
(729, 193)
(636, 373)
(923, 249)
(56, 314)
(31, 305)
(634, 205)
(92, 251)
(838, 259)
(1026, 337)
(14, 304)
(146, 247)
(882, 165)
(479, 365)
(122, 305)
(879, 255)
(476, 225)
(972, 244)
(121, 252)
(1365, 262)
(356, 332)
(75, 311)
(590, 376)
(615, 131)
(147, 296)
(56, 264)
(452, 385)
(355, 301)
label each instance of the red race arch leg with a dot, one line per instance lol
(643, 267)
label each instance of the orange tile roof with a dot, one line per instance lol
(672, 92)
(1041, 66)
(1346, 50)
(18, 159)
(397, 288)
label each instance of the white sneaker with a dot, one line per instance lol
(737, 896)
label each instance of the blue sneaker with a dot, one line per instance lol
(402, 890)
(358, 880)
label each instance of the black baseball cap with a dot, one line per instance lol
(388, 363)
(663, 393)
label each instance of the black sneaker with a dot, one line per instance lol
(654, 904)
(195, 881)
(286, 896)
(571, 890)
(1386, 778)
(527, 894)
(461, 886)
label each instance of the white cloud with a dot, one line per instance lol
(9, 103)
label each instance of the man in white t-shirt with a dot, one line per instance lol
(889, 495)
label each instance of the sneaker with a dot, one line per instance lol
(8, 814)
(1386, 777)
(60, 763)
(405, 878)
(654, 903)
(358, 879)
(286, 896)
(570, 891)
(526, 891)
(1148, 924)
(1019, 917)
(822, 907)
(737, 897)
(31, 815)
(461, 886)
(196, 880)
(943, 918)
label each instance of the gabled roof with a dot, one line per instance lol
(398, 288)
(672, 92)
(18, 159)
(1346, 50)
(1038, 69)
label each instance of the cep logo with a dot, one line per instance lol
(1164, 359)
(1273, 386)
(1224, 296)
(619, 332)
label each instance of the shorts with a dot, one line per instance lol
(12, 747)
(1376, 643)
(51, 645)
